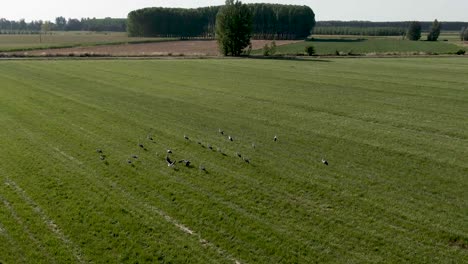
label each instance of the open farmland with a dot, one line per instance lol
(329, 45)
(65, 39)
(175, 48)
(394, 132)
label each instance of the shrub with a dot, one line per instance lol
(461, 52)
(266, 50)
(269, 50)
(310, 50)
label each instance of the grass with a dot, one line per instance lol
(369, 45)
(66, 40)
(393, 131)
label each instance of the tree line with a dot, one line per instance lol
(269, 21)
(425, 25)
(63, 24)
(360, 31)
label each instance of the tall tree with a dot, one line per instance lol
(434, 32)
(60, 22)
(233, 28)
(414, 31)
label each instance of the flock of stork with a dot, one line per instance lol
(172, 162)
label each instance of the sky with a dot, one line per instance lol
(372, 10)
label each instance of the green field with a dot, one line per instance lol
(329, 45)
(393, 130)
(65, 39)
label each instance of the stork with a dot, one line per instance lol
(169, 151)
(230, 138)
(99, 150)
(185, 136)
(170, 163)
(275, 138)
(187, 162)
(221, 131)
(325, 162)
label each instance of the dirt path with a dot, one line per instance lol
(189, 47)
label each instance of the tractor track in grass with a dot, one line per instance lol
(144, 208)
(49, 222)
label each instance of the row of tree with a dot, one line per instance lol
(360, 31)
(63, 24)
(425, 26)
(415, 28)
(269, 21)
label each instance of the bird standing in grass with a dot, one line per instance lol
(185, 136)
(187, 162)
(275, 138)
(325, 162)
(170, 163)
(230, 138)
(221, 131)
(169, 151)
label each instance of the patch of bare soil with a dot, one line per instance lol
(187, 47)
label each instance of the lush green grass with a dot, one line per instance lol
(369, 45)
(66, 39)
(393, 130)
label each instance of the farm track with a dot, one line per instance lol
(269, 210)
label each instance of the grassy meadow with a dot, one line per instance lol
(394, 132)
(65, 39)
(329, 45)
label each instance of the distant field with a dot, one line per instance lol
(64, 39)
(162, 48)
(393, 130)
(329, 45)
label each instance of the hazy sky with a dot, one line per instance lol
(374, 10)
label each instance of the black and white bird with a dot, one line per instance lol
(129, 161)
(275, 138)
(135, 156)
(221, 131)
(169, 151)
(99, 150)
(253, 145)
(170, 163)
(202, 168)
(186, 162)
(141, 145)
(150, 137)
(210, 147)
(185, 136)
(102, 157)
(238, 155)
(247, 160)
(325, 162)
(230, 138)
